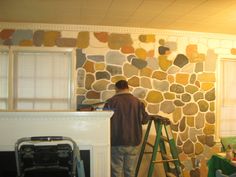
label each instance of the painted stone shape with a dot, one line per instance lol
(115, 58)
(181, 60)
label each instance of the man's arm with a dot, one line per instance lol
(144, 115)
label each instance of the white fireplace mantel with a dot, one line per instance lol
(90, 130)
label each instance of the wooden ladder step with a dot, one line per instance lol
(164, 138)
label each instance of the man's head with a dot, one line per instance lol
(121, 85)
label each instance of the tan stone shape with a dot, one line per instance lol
(207, 86)
(101, 36)
(202, 139)
(146, 82)
(206, 77)
(198, 148)
(116, 41)
(92, 95)
(210, 95)
(190, 109)
(50, 38)
(26, 43)
(99, 66)
(83, 39)
(159, 75)
(193, 55)
(203, 105)
(182, 124)
(91, 101)
(127, 49)
(141, 53)
(210, 140)
(170, 78)
(6, 33)
(186, 97)
(197, 83)
(174, 127)
(184, 135)
(89, 66)
(105, 95)
(89, 81)
(149, 38)
(164, 63)
(188, 68)
(146, 72)
(66, 42)
(154, 97)
(191, 89)
(179, 142)
(173, 69)
(197, 57)
(212, 106)
(199, 120)
(100, 85)
(130, 70)
(161, 41)
(209, 129)
(201, 57)
(188, 147)
(190, 121)
(167, 107)
(169, 95)
(134, 81)
(210, 117)
(81, 91)
(177, 114)
(233, 51)
(153, 108)
(197, 96)
(191, 49)
(182, 78)
(114, 79)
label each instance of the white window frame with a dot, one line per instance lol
(6, 49)
(219, 94)
(13, 49)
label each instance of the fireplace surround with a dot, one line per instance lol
(90, 130)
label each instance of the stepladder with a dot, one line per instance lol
(164, 143)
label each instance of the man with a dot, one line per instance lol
(126, 129)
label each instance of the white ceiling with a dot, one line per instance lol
(215, 16)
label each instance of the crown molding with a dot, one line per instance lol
(114, 29)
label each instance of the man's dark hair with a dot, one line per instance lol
(122, 84)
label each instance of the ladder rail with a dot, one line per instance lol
(164, 152)
(155, 148)
(143, 148)
(173, 149)
(162, 125)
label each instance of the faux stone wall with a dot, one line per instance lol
(172, 75)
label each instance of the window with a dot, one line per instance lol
(41, 79)
(4, 58)
(227, 96)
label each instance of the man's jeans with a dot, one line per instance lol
(123, 160)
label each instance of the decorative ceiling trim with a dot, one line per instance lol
(114, 29)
